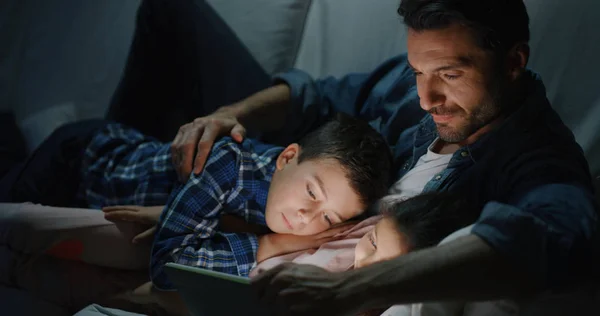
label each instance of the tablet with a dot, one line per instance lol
(210, 293)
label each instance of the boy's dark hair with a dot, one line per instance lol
(497, 24)
(428, 218)
(361, 151)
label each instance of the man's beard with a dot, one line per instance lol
(487, 111)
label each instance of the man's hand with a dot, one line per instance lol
(145, 215)
(262, 112)
(466, 269)
(194, 141)
(299, 289)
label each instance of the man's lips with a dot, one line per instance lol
(442, 118)
(287, 222)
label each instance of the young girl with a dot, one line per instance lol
(416, 223)
(403, 226)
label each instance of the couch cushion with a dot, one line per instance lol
(350, 36)
(270, 29)
(67, 52)
(70, 58)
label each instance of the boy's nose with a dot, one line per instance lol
(305, 215)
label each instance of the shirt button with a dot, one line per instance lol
(464, 153)
(438, 177)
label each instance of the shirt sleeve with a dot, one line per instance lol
(549, 231)
(317, 101)
(188, 229)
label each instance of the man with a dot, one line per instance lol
(489, 130)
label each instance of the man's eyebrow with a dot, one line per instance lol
(411, 66)
(460, 62)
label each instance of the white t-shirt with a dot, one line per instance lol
(413, 182)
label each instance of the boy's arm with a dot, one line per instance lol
(272, 245)
(188, 231)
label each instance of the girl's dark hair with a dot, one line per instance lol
(428, 218)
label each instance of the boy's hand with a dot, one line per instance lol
(193, 142)
(145, 215)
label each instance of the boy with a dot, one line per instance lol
(330, 176)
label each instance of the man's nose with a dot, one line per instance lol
(430, 92)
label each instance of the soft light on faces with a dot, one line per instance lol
(309, 197)
(384, 242)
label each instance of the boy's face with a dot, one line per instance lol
(383, 242)
(309, 197)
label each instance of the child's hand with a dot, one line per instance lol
(272, 245)
(132, 213)
(145, 215)
(330, 234)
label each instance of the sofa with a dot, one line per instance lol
(60, 60)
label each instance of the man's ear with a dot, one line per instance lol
(518, 57)
(288, 155)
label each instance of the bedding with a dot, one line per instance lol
(68, 257)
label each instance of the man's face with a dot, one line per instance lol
(458, 82)
(309, 197)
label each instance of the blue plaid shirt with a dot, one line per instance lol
(235, 181)
(122, 166)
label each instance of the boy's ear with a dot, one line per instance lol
(288, 155)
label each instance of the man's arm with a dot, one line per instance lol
(466, 269)
(295, 105)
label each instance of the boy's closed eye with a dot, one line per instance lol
(310, 193)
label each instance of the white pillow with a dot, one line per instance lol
(270, 29)
(350, 36)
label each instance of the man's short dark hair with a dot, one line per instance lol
(428, 218)
(361, 151)
(497, 24)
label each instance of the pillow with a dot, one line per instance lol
(270, 29)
